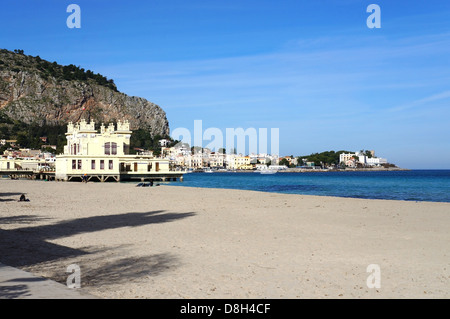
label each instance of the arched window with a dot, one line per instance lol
(107, 148)
(114, 148)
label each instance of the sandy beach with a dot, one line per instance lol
(181, 242)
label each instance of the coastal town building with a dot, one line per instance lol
(217, 160)
(353, 159)
(10, 142)
(7, 164)
(242, 162)
(26, 159)
(376, 161)
(183, 157)
(291, 160)
(104, 156)
(164, 142)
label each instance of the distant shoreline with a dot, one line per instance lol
(375, 169)
(320, 170)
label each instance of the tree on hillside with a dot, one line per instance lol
(3, 148)
(284, 162)
(368, 154)
(325, 159)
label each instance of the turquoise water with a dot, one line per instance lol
(415, 185)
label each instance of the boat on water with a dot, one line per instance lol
(267, 171)
(208, 170)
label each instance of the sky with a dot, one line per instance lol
(312, 69)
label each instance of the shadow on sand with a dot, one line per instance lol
(9, 195)
(29, 247)
(14, 291)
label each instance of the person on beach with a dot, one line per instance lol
(23, 198)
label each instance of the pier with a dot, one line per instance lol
(29, 174)
(163, 177)
(50, 176)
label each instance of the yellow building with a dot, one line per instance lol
(242, 162)
(8, 164)
(24, 164)
(105, 156)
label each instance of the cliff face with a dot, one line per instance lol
(36, 91)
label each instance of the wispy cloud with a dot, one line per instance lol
(332, 75)
(421, 102)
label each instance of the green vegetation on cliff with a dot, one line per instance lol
(18, 62)
(28, 135)
(325, 158)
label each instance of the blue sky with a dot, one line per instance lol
(313, 69)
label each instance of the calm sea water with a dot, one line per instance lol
(415, 185)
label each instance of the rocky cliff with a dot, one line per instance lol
(36, 91)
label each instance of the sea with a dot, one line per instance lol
(412, 185)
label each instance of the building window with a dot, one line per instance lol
(79, 164)
(149, 167)
(110, 164)
(111, 148)
(74, 164)
(107, 148)
(114, 148)
(76, 149)
(102, 164)
(93, 164)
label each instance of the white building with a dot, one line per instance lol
(349, 159)
(105, 156)
(376, 161)
(216, 160)
(164, 142)
(346, 157)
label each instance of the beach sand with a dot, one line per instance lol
(181, 242)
